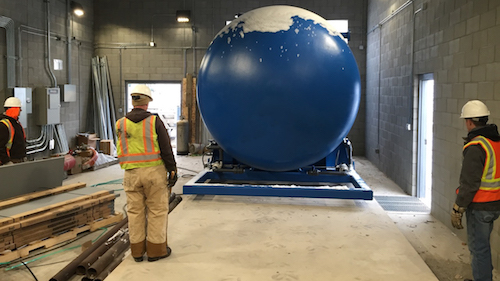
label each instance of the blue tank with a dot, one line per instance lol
(278, 88)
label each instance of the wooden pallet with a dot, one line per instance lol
(40, 194)
(9, 256)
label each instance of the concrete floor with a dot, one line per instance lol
(264, 238)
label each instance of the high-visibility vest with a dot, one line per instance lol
(489, 190)
(137, 145)
(8, 146)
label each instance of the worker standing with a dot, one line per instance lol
(12, 136)
(479, 192)
(145, 153)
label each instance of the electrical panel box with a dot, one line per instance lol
(25, 95)
(68, 92)
(48, 106)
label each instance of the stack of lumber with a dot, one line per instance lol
(46, 218)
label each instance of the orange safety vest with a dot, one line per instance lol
(137, 144)
(8, 146)
(489, 190)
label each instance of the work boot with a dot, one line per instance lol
(138, 250)
(169, 251)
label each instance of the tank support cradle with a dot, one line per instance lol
(332, 177)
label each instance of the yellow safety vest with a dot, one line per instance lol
(137, 145)
(7, 123)
(489, 190)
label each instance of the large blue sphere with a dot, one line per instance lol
(278, 88)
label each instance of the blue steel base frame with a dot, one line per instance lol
(347, 185)
(332, 177)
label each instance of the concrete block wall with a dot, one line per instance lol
(29, 17)
(459, 43)
(122, 33)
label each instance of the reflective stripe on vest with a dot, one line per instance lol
(137, 144)
(7, 123)
(489, 190)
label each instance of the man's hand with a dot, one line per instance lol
(456, 216)
(171, 178)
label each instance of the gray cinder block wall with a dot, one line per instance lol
(123, 32)
(459, 43)
(29, 17)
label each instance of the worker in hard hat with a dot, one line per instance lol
(479, 192)
(12, 136)
(145, 152)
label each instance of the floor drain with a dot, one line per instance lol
(402, 204)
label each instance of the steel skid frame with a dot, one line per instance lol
(332, 177)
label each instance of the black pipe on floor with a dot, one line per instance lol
(70, 269)
(103, 261)
(92, 257)
(110, 268)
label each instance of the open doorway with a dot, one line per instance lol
(425, 126)
(166, 103)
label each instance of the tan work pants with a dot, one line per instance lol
(147, 200)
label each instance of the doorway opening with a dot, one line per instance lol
(424, 146)
(166, 103)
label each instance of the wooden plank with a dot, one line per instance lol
(40, 194)
(107, 221)
(184, 101)
(47, 243)
(64, 210)
(38, 211)
(192, 109)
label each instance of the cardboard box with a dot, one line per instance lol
(106, 146)
(87, 139)
(78, 166)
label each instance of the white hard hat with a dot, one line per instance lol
(143, 90)
(474, 108)
(12, 102)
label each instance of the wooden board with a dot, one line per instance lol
(47, 243)
(64, 210)
(40, 194)
(38, 211)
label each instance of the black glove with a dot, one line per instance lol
(172, 178)
(456, 216)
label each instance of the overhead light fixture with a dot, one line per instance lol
(77, 8)
(183, 15)
(152, 44)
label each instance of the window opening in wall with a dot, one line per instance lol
(341, 26)
(166, 103)
(425, 126)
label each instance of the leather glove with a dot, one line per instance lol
(456, 216)
(172, 178)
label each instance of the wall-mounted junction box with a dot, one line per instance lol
(25, 95)
(68, 92)
(48, 106)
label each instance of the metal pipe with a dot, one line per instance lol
(395, 12)
(92, 257)
(49, 69)
(68, 42)
(122, 96)
(171, 206)
(70, 269)
(19, 46)
(104, 260)
(42, 132)
(8, 24)
(110, 268)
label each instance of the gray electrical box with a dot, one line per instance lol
(48, 106)
(68, 93)
(25, 95)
